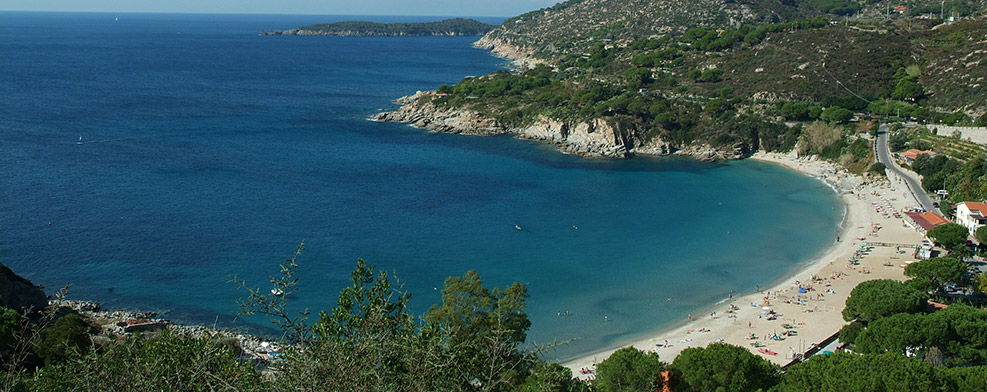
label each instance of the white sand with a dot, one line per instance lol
(819, 317)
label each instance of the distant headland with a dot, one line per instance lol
(457, 27)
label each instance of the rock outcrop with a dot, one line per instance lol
(20, 294)
(594, 138)
(506, 49)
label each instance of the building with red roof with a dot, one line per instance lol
(910, 155)
(971, 214)
(925, 221)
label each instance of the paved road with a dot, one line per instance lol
(884, 156)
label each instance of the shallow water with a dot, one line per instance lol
(209, 151)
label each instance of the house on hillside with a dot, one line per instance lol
(971, 214)
(910, 155)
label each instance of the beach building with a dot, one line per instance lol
(971, 214)
(925, 221)
(910, 155)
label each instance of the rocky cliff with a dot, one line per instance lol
(20, 294)
(593, 138)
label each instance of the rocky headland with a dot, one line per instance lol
(592, 138)
(457, 27)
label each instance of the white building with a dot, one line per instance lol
(971, 215)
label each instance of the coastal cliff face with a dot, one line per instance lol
(506, 48)
(20, 294)
(592, 138)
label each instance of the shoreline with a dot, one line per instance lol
(828, 279)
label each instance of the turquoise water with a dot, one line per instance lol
(210, 152)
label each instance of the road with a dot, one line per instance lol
(884, 156)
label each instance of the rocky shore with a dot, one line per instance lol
(122, 323)
(593, 138)
(506, 49)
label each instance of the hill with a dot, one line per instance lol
(712, 92)
(448, 27)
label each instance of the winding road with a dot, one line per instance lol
(884, 156)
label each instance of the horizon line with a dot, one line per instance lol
(247, 13)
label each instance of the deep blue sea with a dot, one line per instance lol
(209, 151)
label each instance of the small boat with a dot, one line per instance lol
(277, 292)
(80, 140)
(517, 227)
(766, 351)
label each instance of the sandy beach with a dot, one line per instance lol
(810, 300)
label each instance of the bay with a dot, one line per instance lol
(210, 152)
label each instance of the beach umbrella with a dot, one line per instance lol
(802, 290)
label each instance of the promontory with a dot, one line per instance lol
(447, 28)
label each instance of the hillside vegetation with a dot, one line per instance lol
(448, 27)
(475, 341)
(695, 77)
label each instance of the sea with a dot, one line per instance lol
(149, 160)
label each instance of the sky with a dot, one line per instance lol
(505, 8)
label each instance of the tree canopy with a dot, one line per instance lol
(949, 235)
(874, 299)
(722, 367)
(981, 234)
(629, 370)
(938, 270)
(841, 372)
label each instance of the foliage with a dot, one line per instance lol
(980, 283)
(817, 137)
(483, 329)
(907, 90)
(963, 379)
(841, 372)
(981, 235)
(710, 75)
(69, 336)
(629, 370)
(878, 168)
(956, 332)
(836, 7)
(939, 270)
(898, 141)
(552, 377)
(964, 180)
(850, 332)
(10, 321)
(722, 367)
(274, 302)
(795, 111)
(369, 303)
(836, 114)
(455, 26)
(169, 361)
(365, 342)
(950, 235)
(874, 299)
